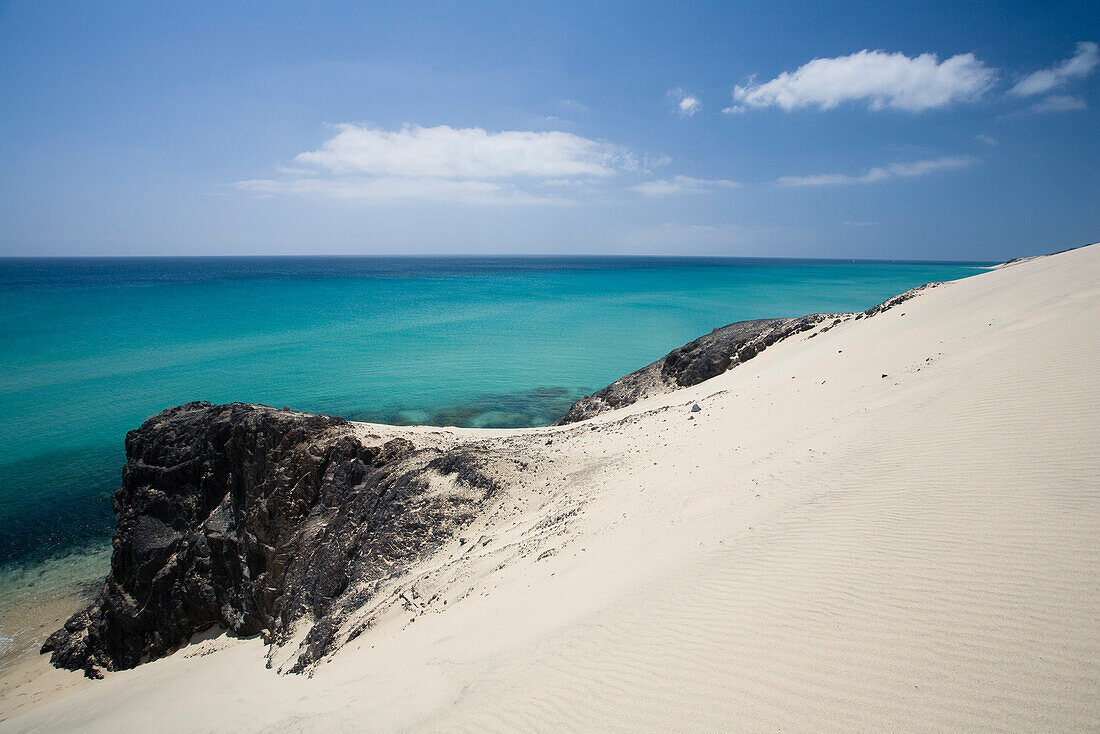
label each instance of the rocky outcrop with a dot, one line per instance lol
(263, 522)
(711, 355)
(702, 359)
(897, 300)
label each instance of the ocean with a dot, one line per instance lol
(92, 347)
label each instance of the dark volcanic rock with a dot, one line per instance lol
(900, 298)
(702, 359)
(260, 521)
(711, 355)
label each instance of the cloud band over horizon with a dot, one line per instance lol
(445, 163)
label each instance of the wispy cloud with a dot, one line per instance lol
(879, 79)
(1059, 103)
(1080, 65)
(896, 170)
(467, 165)
(1053, 79)
(682, 185)
(390, 189)
(655, 161)
(685, 104)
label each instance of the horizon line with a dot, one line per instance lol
(470, 256)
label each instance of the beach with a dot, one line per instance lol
(883, 523)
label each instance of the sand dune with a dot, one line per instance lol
(891, 525)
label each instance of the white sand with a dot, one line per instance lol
(821, 548)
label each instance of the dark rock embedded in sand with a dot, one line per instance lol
(711, 355)
(900, 298)
(257, 520)
(702, 359)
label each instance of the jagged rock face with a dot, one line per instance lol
(257, 519)
(702, 359)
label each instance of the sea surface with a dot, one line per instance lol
(92, 347)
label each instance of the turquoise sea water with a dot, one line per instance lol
(92, 347)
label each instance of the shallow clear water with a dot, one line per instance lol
(92, 347)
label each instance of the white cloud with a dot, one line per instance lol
(682, 185)
(1083, 62)
(881, 80)
(447, 152)
(685, 104)
(874, 175)
(1059, 103)
(468, 165)
(689, 106)
(987, 139)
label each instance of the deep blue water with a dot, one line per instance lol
(92, 347)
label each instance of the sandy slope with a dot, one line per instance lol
(894, 525)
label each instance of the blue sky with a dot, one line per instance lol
(887, 129)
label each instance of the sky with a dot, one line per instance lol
(895, 130)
